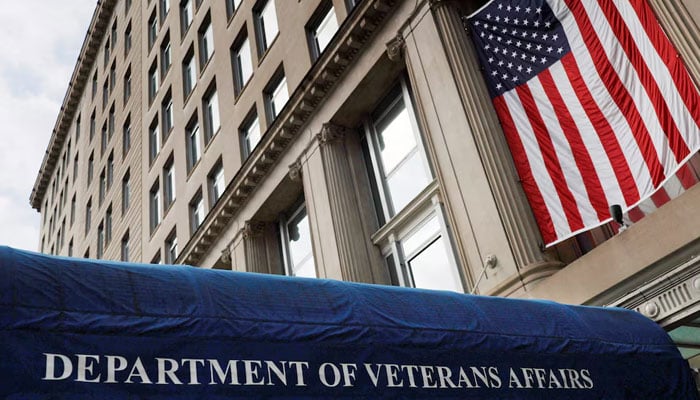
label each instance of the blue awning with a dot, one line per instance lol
(84, 329)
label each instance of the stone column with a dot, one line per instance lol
(515, 214)
(352, 245)
(683, 31)
(255, 247)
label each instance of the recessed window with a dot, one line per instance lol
(186, 13)
(127, 85)
(153, 141)
(72, 210)
(127, 39)
(231, 7)
(171, 248)
(266, 24)
(105, 94)
(92, 125)
(206, 43)
(88, 215)
(94, 85)
(250, 133)
(216, 181)
(242, 64)
(110, 170)
(112, 76)
(168, 183)
(108, 225)
(110, 122)
(103, 139)
(321, 28)
(297, 245)
(124, 253)
(194, 152)
(167, 115)
(106, 53)
(154, 207)
(152, 30)
(114, 36)
(126, 192)
(153, 82)
(75, 167)
(276, 96)
(165, 56)
(77, 128)
(70, 248)
(196, 212)
(91, 167)
(164, 9)
(156, 258)
(210, 109)
(103, 186)
(126, 136)
(189, 74)
(100, 240)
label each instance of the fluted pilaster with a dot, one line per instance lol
(683, 31)
(255, 247)
(353, 254)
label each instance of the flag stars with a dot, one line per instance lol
(560, 50)
(510, 65)
(529, 70)
(547, 24)
(499, 86)
(555, 37)
(505, 76)
(526, 22)
(538, 10)
(500, 63)
(517, 8)
(518, 43)
(509, 8)
(534, 35)
(545, 36)
(539, 47)
(515, 78)
(544, 60)
(514, 54)
(550, 49)
(520, 68)
(500, 6)
(488, 16)
(504, 31)
(491, 60)
(506, 20)
(536, 24)
(527, 10)
(529, 46)
(533, 59)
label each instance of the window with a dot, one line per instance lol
(419, 253)
(152, 30)
(100, 240)
(112, 76)
(276, 96)
(186, 13)
(165, 56)
(166, 109)
(216, 182)
(70, 248)
(206, 43)
(171, 248)
(127, 85)
(91, 167)
(105, 94)
(92, 125)
(156, 258)
(242, 64)
(127, 39)
(75, 167)
(87, 253)
(126, 136)
(321, 29)
(124, 253)
(77, 129)
(296, 244)
(72, 210)
(103, 139)
(231, 7)
(152, 82)
(210, 109)
(154, 207)
(88, 215)
(110, 122)
(168, 183)
(153, 141)
(193, 148)
(189, 74)
(402, 167)
(164, 9)
(94, 85)
(108, 225)
(110, 170)
(106, 53)
(114, 35)
(103, 186)
(126, 192)
(196, 212)
(250, 133)
(266, 24)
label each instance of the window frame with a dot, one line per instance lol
(284, 223)
(240, 79)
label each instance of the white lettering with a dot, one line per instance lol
(322, 374)
(299, 366)
(252, 372)
(140, 372)
(50, 373)
(113, 367)
(193, 369)
(221, 374)
(84, 368)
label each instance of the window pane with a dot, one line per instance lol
(280, 96)
(396, 138)
(426, 233)
(253, 135)
(245, 62)
(326, 29)
(432, 269)
(269, 21)
(407, 181)
(300, 248)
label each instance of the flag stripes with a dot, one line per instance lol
(595, 104)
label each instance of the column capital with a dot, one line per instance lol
(252, 228)
(395, 48)
(226, 256)
(295, 171)
(434, 4)
(330, 133)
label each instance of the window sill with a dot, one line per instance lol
(407, 214)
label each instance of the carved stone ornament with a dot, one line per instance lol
(436, 3)
(331, 133)
(253, 228)
(295, 171)
(395, 47)
(226, 256)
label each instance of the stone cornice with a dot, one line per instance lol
(71, 100)
(352, 37)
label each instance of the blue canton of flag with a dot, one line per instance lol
(518, 40)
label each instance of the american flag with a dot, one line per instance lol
(596, 105)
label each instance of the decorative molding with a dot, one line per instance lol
(226, 256)
(331, 133)
(434, 4)
(395, 48)
(667, 298)
(295, 171)
(252, 228)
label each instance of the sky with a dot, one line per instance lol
(39, 45)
